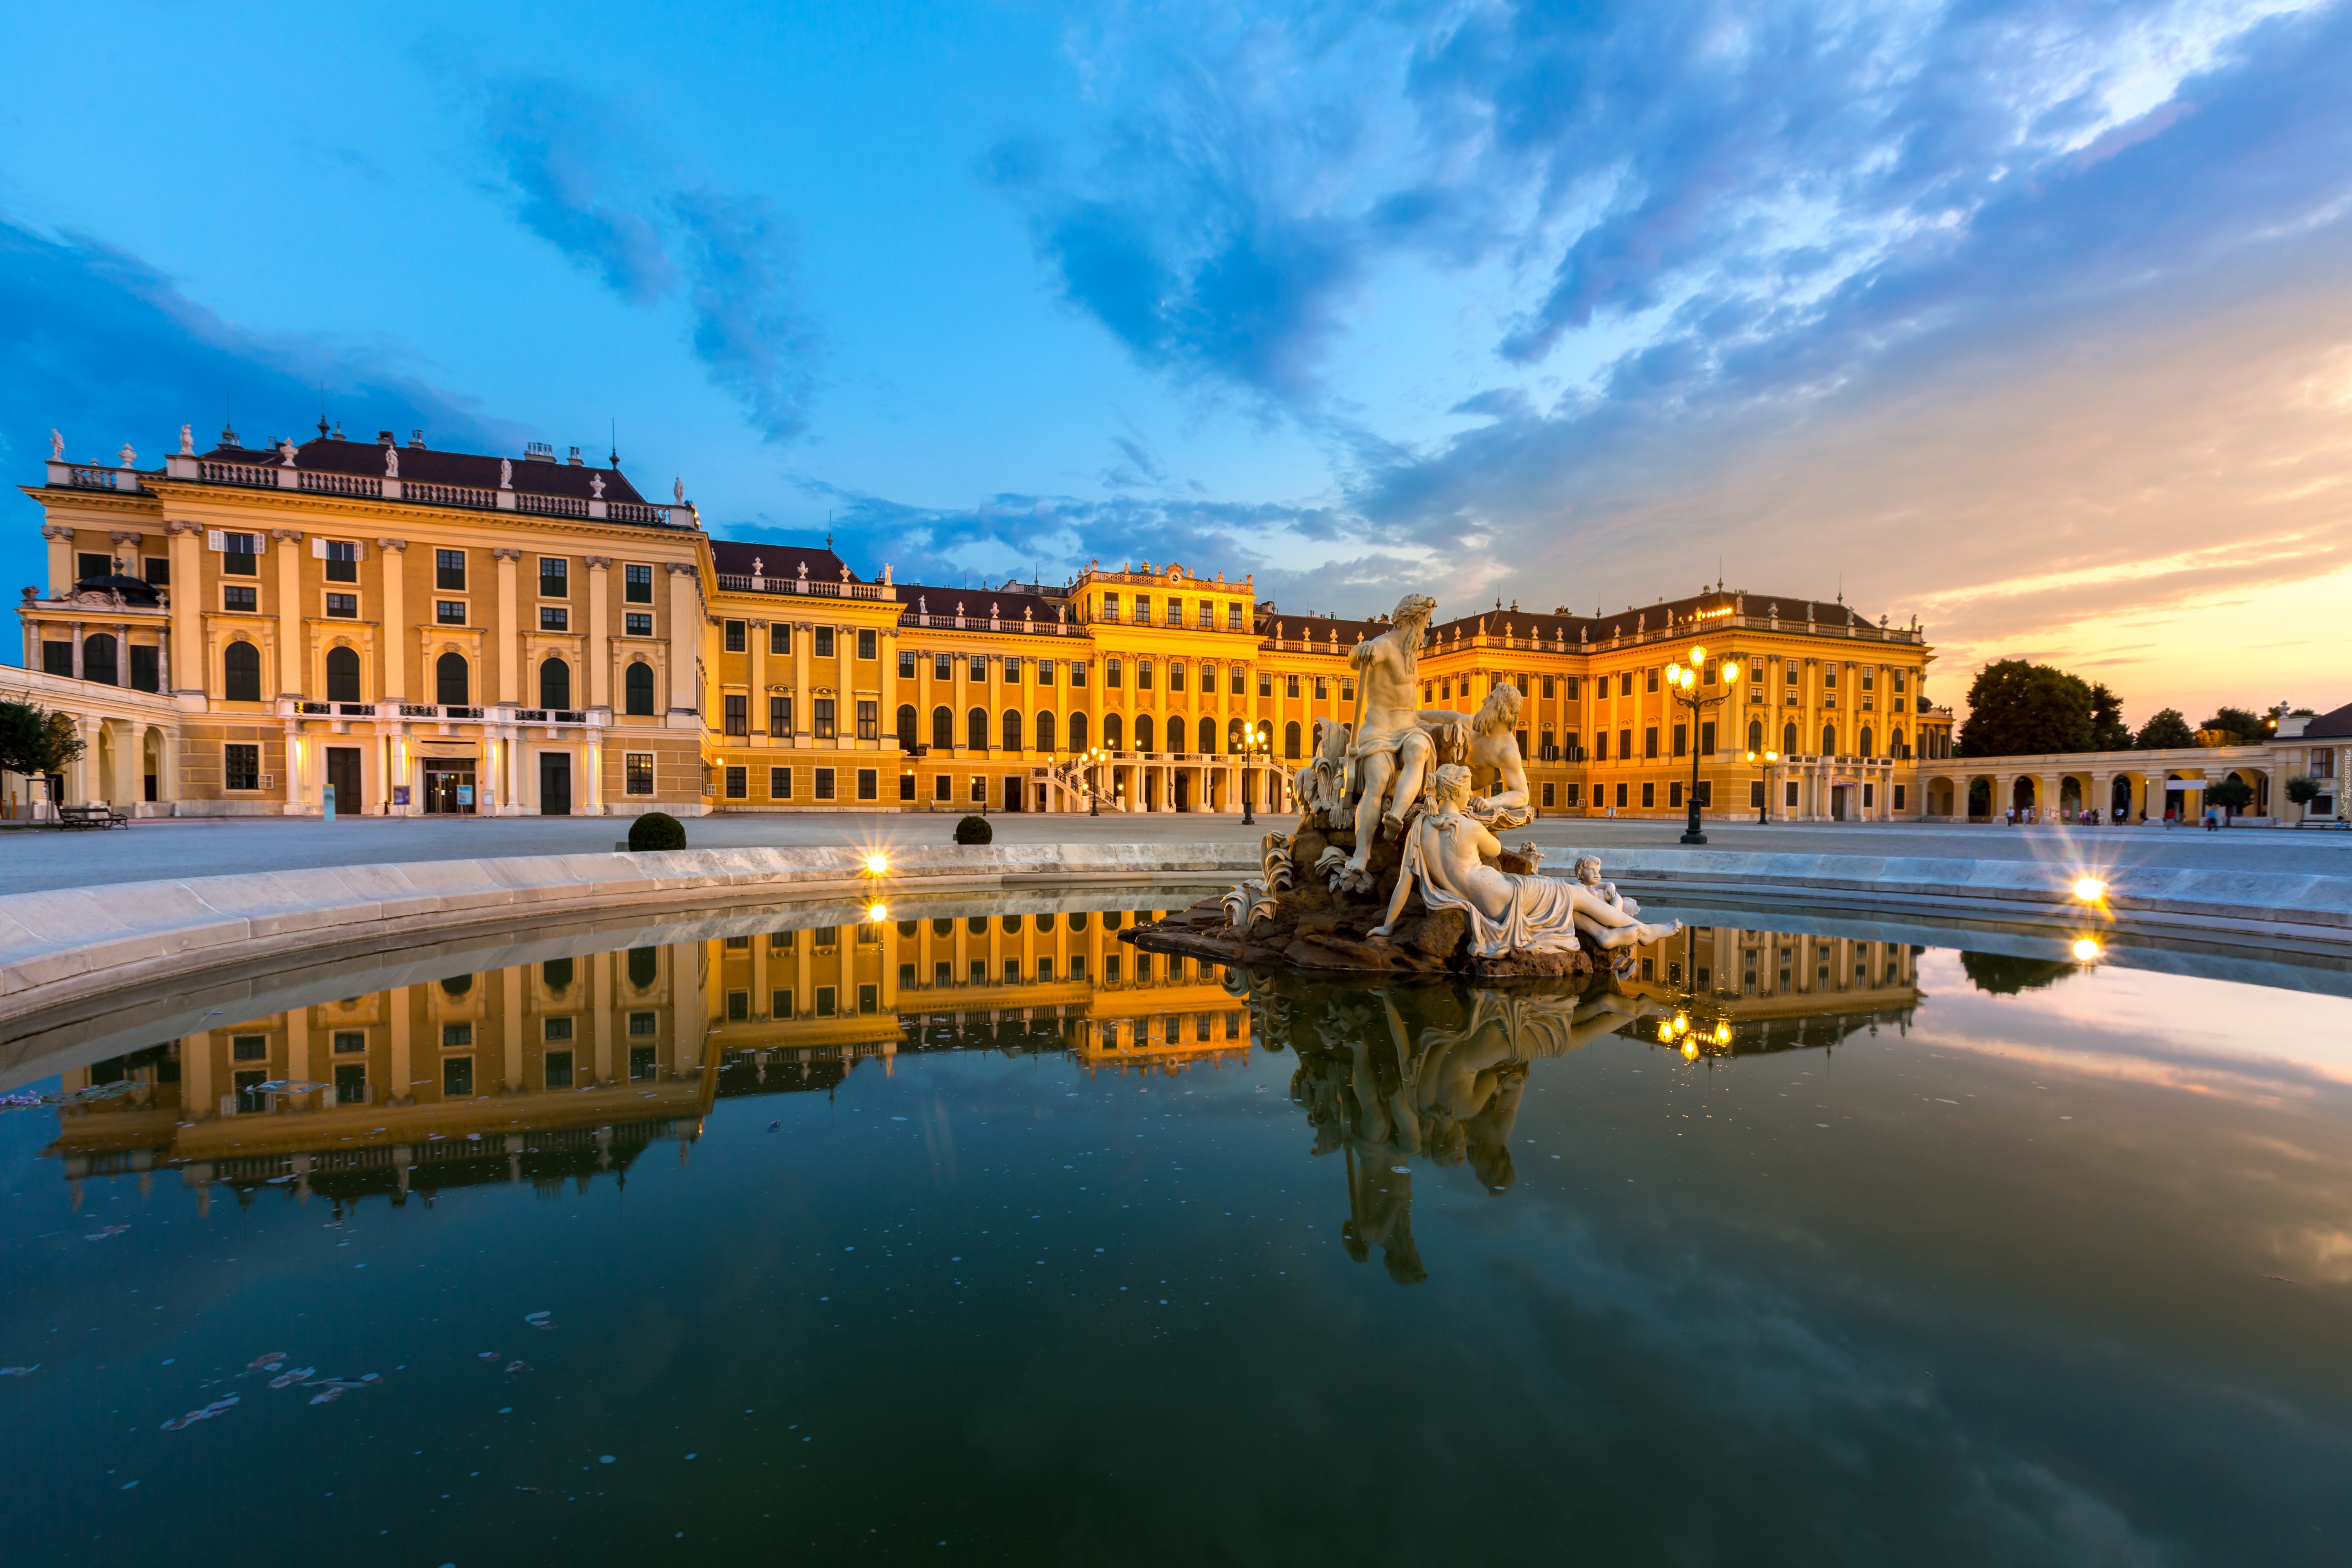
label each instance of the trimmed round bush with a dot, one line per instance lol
(974, 830)
(656, 830)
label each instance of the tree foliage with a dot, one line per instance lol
(2018, 709)
(2108, 731)
(2303, 789)
(2233, 793)
(2165, 730)
(656, 830)
(33, 739)
(2246, 725)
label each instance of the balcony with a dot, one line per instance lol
(743, 582)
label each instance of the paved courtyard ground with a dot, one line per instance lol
(33, 859)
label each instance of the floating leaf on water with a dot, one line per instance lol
(539, 1319)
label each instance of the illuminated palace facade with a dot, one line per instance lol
(425, 632)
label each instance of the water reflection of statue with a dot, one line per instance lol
(1437, 1073)
(1445, 856)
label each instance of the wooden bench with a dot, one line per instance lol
(90, 816)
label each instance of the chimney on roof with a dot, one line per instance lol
(386, 438)
(417, 440)
(575, 456)
(537, 452)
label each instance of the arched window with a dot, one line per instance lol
(1011, 727)
(1894, 745)
(1867, 740)
(554, 684)
(1290, 739)
(1755, 734)
(906, 721)
(1112, 739)
(241, 672)
(1208, 737)
(1829, 740)
(942, 730)
(99, 659)
(449, 677)
(1789, 740)
(343, 675)
(1234, 735)
(1045, 732)
(975, 725)
(1143, 732)
(638, 687)
(457, 985)
(1078, 732)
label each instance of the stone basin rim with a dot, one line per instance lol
(68, 944)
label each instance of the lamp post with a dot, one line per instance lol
(1764, 777)
(1252, 748)
(1680, 680)
(1094, 755)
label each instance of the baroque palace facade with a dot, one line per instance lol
(244, 630)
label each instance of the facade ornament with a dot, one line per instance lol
(596, 486)
(804, 572)
(506, 473)
(678, 491)
(886, 573)
(392, 544)
(922, 603)
(391, 462)
(844, 571)
(56, 446)
(758, 567)
(600, 562)
(187, 441)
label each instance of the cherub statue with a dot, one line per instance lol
(1445, 855)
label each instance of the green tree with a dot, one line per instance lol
(2303, 789)
(34, 740)
(2108, 731)
(2244, 723)
(2232, 794)
(2018, 709)
(2167, 730)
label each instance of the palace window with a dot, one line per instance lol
(906, 664)
(738, 714)
(869, 720)
(738, 783)
(1176, 676)
(1233, 617)
(867, 648)
(554, 618)
(1208, 616)
(639, 768)
(242, 764)
(1290, 686)
(235, 596)
(780, 638)
(1143, 675)
(734, 633)
(942, 667)
(237, 554)
(449, 570)
(636, 584)
(1650, 677)
(1624, 683)
(1045, 672)
(824, 642)
(449, 611)
(554, 578)
(636, 624)
(1322, 688)
(1264, 683)
(342, 559)
(343, 606)
(638, 690)
(824, 783)
(821, 718)
(1111, 673)
(977, 668)
(1077, 672)
(780, 787)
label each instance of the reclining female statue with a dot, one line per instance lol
(1444, 855)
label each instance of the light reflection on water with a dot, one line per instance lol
(994, 1231)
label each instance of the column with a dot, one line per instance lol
(803, 633)
(508, 632)
(79, 631)
(293, 765)
(510, 980)
(289, 609)
(196, 1103)
(61, 558)
(122, 654)
(392, 649)
(403, 1092)
(187, 621)
(298, 1047)
(886, 643)
(600, 976)
(598, 691)
(755, 635)
(594, 783)
(686, 631)
(845, 693)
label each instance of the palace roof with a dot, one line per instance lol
(764, 558)
(2334, 725)
(534, 475)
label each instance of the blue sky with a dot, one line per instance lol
(2031, 321)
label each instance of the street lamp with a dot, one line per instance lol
(1094, 755)
(1680, 681)
(1764, 801)
(1254, 746)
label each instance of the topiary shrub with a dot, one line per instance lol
(656, 830)
(974, 830)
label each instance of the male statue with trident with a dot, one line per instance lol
(1392, 745)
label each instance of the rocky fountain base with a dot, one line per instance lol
(1305, 916)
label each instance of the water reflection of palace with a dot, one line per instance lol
(573, 1067)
